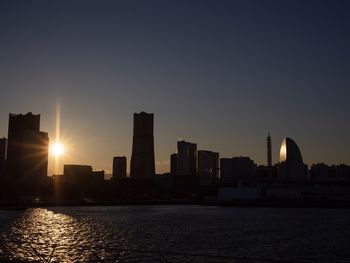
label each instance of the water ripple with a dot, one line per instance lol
(176, 234)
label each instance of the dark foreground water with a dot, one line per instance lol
(175, 234)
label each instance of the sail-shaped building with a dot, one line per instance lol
(291, 167)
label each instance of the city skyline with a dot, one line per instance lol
(144, 127)
(220, 75)
(174, 131)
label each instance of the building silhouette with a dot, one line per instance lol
(142, 159)
(81, 175)
(3, 143)
(238, 170)
(76, 173)
(78, 181)
(173, 163)
(119, 167)
(208, 167)
(186, 164)
(321, 173)
(291, 167)
(226, 170)
(342, 172)
(269, 151)
(186, 180)
(27, 151)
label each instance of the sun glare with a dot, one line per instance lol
(57, 149)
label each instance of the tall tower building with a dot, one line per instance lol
(186, 159)
(27, 150)
(119, 167)
(269, 150)
(142, 158)
(186, 181)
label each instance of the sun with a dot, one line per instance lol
(57, 149)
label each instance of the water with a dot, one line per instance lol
(162, 233)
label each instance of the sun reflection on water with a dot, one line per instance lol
(42, 235)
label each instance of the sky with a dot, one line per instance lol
(222, 74)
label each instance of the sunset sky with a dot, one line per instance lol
(221, 74)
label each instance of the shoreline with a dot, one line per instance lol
(234, 203)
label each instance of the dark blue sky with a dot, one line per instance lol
(219, 73)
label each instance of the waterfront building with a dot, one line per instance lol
(291, 167)
(97, 177)
(320, 173)
(173, 164)
(76, 173)
(79, 181)
(265, 174)
(27, 150)
(142, 158)
(208, 167)
(186, 181)
(343, 172)
(238, 170)
(119, 167)
(3, 142)
(226, 170)
(186, 159)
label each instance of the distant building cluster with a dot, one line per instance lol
(193, 173)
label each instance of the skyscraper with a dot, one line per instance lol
(186, 181)
(269, 151)
(27, 150)
(142, 158)
(119, 167)
(186, 159)
(208, 164)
